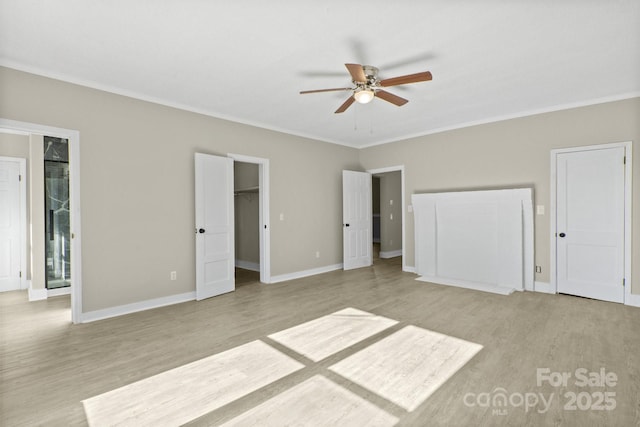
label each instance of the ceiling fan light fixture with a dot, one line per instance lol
(364, 96)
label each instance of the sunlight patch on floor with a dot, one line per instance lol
(182, 394)
(316, 402)
(407, 366)
(404, 368)
(327, 335)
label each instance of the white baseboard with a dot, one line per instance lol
(59, 291)
(248, 265)
(529, 286)
(543, 287)
(305, 273)
(92, 316)
(501, 290)
(409, 269)
(391, 254)
(26, 284)
(37, 294)
(632, 300)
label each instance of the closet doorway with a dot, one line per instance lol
(251, 218)
(388, 213)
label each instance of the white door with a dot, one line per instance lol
(215, 254)
(590, 223)
(10, 247)
(356, 219)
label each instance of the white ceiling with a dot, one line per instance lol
(246, 60)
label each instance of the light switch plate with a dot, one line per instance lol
(540, 209)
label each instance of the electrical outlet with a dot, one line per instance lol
(174, 275)
(538, 269)
(317, 254)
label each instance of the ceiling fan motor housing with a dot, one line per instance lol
(372, 74)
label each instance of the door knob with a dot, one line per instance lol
(201, 230)
(561, 234)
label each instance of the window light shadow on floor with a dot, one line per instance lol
(404, 368)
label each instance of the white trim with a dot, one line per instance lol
(24, 219)
(247, 265)
(305, 273)
(409, 269)
(58, 291)
(14, 132)
(628, 200)
(543, 287)
(390, 254)
(399, 168)
(37, 294)
(628, 180)
(632, 300)
(27, 285)
(135, 307)
(74, 199)
(264, 209)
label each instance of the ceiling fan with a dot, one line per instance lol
(368, 86)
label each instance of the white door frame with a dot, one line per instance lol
(399, 168)
(73, 136)
(628, 178)
(265, 228)
(22, 189)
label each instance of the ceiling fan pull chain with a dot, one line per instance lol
(355, 118)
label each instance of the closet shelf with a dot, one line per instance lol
(249, 190)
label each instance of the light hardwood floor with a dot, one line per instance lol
(48, 366)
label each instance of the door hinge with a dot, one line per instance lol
(624, 282)
(21, 274)
(19, 178)
(624, 160)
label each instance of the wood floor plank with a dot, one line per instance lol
(48, 366)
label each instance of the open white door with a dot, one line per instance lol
(590, 198)
(356, 219)
(214, 226)
(10, 216)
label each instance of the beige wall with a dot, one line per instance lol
(390, 229)
(137, 186)
(12, 145)
(512, 153)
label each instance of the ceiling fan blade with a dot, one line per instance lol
(403, 80)
(357, 73)
(389, 97)
(346, 105)
(325, 90)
